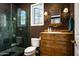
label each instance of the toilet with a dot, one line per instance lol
(31, 50)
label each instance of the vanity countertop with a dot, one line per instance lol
(58, 32)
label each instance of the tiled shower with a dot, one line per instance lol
(14, 35)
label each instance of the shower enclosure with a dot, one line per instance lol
(14, 35)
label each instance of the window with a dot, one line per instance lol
(3, 20)
(21, 17)
(37, 17)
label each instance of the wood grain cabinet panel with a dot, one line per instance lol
(56, 44)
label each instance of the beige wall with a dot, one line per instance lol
(76, 29)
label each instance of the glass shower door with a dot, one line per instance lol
(5, 31)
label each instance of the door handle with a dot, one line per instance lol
(73, 41)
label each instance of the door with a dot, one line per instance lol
(22, 30)
(76, 29)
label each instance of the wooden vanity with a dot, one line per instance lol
(57, 44)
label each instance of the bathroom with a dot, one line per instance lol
(50, 25)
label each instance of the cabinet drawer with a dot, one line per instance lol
(62, 52)
(60, 42)
(47, 37)
(58, 46)
(47, 51)
(43, 37)
(64, 37)
(46, 43)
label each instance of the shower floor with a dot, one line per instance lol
(14, 51)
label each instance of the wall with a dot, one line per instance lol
(32, 31)
(77, 19)
(76, 52)
(35, 30)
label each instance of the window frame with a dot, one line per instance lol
(42, 14)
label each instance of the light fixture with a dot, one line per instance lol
(45, 13)
(65, 10)
(14, 18)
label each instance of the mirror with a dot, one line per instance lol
(56, 21)
(55, 18)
